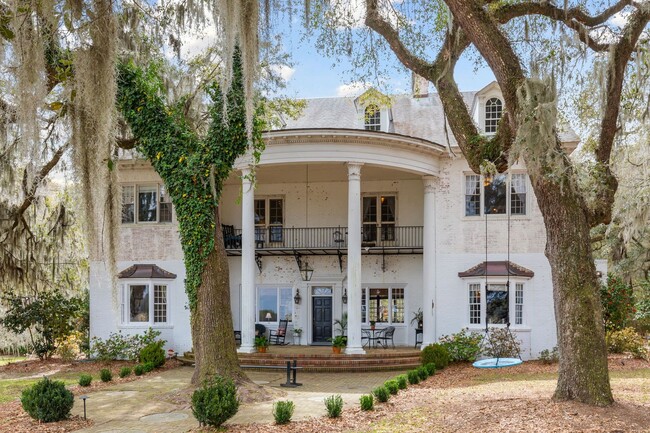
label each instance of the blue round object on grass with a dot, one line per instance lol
(497, 362)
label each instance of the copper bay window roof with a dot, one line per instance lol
(148, 271)
(497, 269)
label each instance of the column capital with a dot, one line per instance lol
(354, 170)
(430, 183)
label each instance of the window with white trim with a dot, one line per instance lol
(372, 118)
(493, 113)
(274, 304)
(491, 302)
(379, 217)
(146, 204)
(493, 197)
(269, 217)
(382, 305)
(139, 307)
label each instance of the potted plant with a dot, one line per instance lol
(297, 332)
(338, 343)
(372, 325)
(417, 318)
(261, 343)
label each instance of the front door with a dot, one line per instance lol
(321, 319)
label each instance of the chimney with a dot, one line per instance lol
(419, 86)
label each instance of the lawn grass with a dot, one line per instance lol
(4, 360)
(503, 375)
(10, 389)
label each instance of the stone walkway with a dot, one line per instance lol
(147, 405)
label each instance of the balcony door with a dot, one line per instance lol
(321, 315)
(379, 218)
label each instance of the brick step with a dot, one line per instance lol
(349, 368)
(331, 361)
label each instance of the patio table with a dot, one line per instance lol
(373, 335)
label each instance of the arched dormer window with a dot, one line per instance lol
(372, 118)
(493, 112)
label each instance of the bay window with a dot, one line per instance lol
(492, 303)
(144, 304)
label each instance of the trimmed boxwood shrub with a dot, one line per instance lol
(422, 373)
(381, 394)
(431, 368)
(215, 402)
(367, 402)
(105, 375)
(392, 386)
(402, 381)
(47, 400)
(413, 377)
(153, 353)
(436, 354)
(138, 370)
(148, 366)
(334, 405)
(125, 371)
(283, 411)
(85, 380)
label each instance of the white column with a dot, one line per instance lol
(354, 260)
(429, 304)
(247, 265)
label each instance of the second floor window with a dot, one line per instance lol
(492, 192)
(379, 217)
(145, 204)
(493, 113)
(269, 216)
(372, 118)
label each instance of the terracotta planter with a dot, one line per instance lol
(336, 350)
(261, 349)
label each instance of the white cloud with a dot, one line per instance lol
(285, 72)
(352, 89)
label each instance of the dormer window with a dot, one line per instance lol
(493, 112)
(372, 118)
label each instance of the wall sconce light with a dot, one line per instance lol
(297, 298)
(344, 298)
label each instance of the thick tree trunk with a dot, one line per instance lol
(212, 326)
(583, 373)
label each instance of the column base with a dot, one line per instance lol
(247, 349)
(354, 351)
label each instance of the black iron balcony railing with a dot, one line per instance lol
(278, 237)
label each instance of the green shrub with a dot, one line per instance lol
(215, 402)
(462, 346)
(148, 366)
(392, 386)
(138, 370)
(334, 405)
(430, 368)
(118, 346)
(402, 381)
(436, 354)
(626, 340)
(617, 300)
(549, 356)
(381, 394)
(367, 402)
(153, 353)
(501, 343)
(422, 373)
(413, 377)
(105, 375)
(47, 400)
(283, 411)
(125, 371)
(85, 380)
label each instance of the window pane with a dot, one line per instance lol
(267, 304)
(286, 304)
(260, 212)
(372, 118)
(472, 195)
(128, 204)
(496, 300)
(160, 304)
(387, 209)
(364, 307)
(474, 304)
(495, 195)
(398, 306)
(493, 112)
(321, 291)
(519, 304)
(275, 211)
(370, 209)
(147, 203)
(518, 194)
(165, 206)
(379, 305)
(139, 303)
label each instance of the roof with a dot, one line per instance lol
(421, 117)
(497, 269)
(153, 272)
